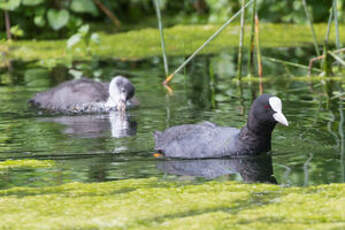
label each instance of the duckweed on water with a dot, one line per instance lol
(317, 78)
(314, 78)
(10, 164)
(180, 40)
(153, 204)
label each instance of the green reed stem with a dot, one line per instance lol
(310, 21)
(330, 20)
(240, 46)
(160, 27)
(252, 42)
(337, 35)
(8, 24)
(327, 62)
(336, 57)
(213, 36)
(258, 52)
(289, 63)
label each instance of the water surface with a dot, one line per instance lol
(87, 148)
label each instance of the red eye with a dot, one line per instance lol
(267, 107)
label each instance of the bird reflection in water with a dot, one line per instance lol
(252, 169)
(122, 125)
(94, 126)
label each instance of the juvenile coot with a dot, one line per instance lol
(87, 96)
(207, 140)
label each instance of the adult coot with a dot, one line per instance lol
(87, 96)
(207, 140)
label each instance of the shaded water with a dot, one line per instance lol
(88, 148)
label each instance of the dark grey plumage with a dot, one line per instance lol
(196, 141)
(85, 96)
(207, 140)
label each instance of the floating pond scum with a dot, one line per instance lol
(154, 204)
(12, 164)
(180, 40)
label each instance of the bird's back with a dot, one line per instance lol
(204, 140)
(74, 92)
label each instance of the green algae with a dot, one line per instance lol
(11, 164)
(154, 204)
(317, 78)
(180, 40)
(313, 78)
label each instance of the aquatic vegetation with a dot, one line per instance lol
(10, 164)
(317, 78)
(180, 40)
(142, 204)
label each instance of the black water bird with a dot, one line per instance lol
(207, 140)
(87, 96)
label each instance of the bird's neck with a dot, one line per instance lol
(110, 103)
(260, 129)
(258, 139)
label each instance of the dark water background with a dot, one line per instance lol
(86, 148)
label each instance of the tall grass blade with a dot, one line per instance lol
(327, 65)
(108, 12)
(289, 63)
(330, 20)
(336, 57)
(240, 46)
(213, 36)
(258, 52)
(252, 42)
(8, 25)
(310, 21)
(337, 34)
(160, 27)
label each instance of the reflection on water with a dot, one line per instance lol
(251, 169)
(92, 126)
(88, 148)
(121, 125)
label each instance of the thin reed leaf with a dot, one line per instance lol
(252, 42)
(240, 46)
(213, 36)
(310, 21)
(160, 27)
(336, 57)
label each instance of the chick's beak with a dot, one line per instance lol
(121, 106)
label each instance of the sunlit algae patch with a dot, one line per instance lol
(154, 204)
(144, 43)
(9, 164)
